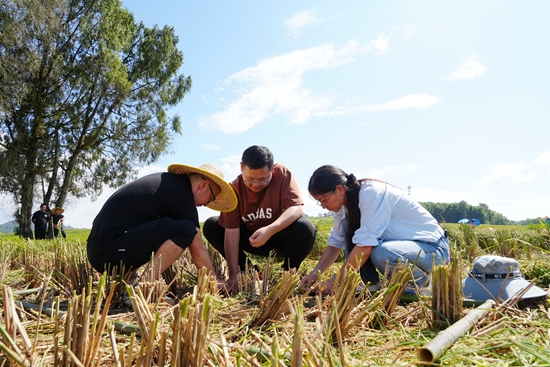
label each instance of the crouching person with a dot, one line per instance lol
(269, 217)
(158, 214)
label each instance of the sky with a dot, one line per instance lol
(447, 100)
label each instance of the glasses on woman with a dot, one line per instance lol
(323, 201)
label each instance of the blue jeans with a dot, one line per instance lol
(393, 252)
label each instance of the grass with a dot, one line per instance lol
(83, 320)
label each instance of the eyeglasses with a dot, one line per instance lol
(212, 192)
(262, 182)
(213, 198)
(323, 201)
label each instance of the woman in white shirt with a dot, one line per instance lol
(377, 224)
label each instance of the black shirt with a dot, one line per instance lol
(146, 199)
(40, 219)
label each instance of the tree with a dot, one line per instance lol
(453, 212)
(86, 92)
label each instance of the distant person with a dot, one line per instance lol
(547, 220)
(58, 219)
(158, 214)
(269, 216)
(41, 218)
(472, 223)
(377, 224)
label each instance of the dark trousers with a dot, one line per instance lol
(40, 232)
(293, 243)
(56, 232)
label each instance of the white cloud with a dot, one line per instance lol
(231, 165)
(544, 158)
(471, 68)
(275, 86)
(507, 173)
(300, 21)
(381, 44)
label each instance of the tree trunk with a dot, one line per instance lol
(24, 218)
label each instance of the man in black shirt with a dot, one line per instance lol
(158, 214)
(40, 219)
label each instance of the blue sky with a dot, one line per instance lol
(451, 99)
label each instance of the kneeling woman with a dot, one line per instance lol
(377, 224)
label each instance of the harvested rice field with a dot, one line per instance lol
(57, 311)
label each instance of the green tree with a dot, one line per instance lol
(453, 212)
(86, 92)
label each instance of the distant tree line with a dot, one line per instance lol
(453, 212)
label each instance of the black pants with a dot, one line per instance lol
(293, 243)
(56, 232)
(40, 232)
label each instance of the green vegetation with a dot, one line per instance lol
(453, 212)
(86, 95)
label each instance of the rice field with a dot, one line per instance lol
(57, 311)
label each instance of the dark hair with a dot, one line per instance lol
(325, 179)
(257, 156)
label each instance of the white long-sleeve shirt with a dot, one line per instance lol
(387, 213)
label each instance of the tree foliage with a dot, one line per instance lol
(453, 212)
(85, 98)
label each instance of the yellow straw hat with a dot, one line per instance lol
(58, 207)
(226, 201)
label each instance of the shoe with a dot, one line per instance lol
(373, 287)
(425, 291)
(172, 301)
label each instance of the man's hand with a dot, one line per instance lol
(260, 237)
(307, 282)
(232, 283)
(223, 286)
